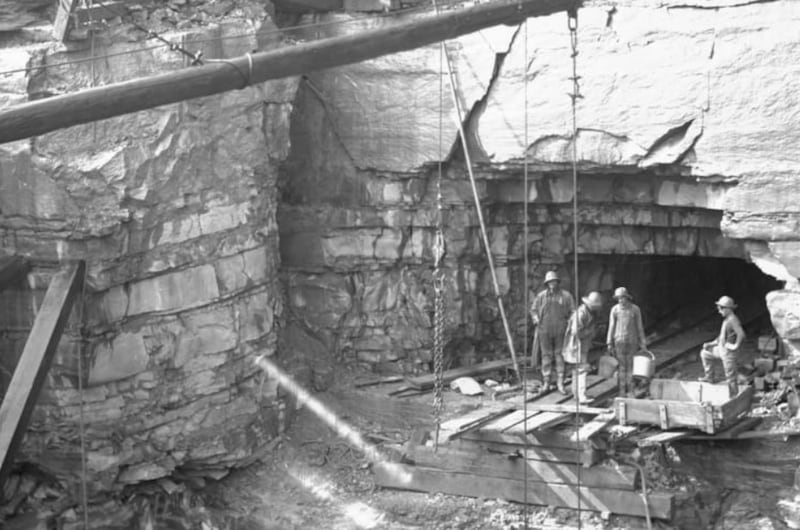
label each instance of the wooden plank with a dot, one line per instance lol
(646, 411)
(31, 371)
(478, 422)
(586, 457)
(63, 20)
(736, 430)
(590, 429)
(49, 114)
(428, 380)
(736, 407)
(513, 467)
(599, 389)
(619, 502)
(546, 438)
(567, 408)
(677, 390)
(12, 271)
(663, 437)
(540, 420)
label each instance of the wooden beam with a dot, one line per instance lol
(45, 115)
(586, 457)
(63, 20)
(31, 371)
(505, 466)
(427, 381)
(13, 270)
(619, 502)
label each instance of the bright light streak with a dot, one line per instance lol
(342, 428)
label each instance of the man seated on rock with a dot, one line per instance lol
(725, 346)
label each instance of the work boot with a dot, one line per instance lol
(560, 384)
(581, 393)
(706, 379)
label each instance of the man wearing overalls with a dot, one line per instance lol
(731, 335)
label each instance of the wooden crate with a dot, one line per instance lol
(672, 404)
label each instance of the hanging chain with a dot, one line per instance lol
(438, 278)
(572, 24)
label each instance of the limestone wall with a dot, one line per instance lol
(684, 129)
(174, 210)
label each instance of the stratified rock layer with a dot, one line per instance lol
(174, 210)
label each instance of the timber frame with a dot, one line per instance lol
(31, 371)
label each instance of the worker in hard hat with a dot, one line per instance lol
(625, 337)
(581, 329)
(550, 312)
(725, 346)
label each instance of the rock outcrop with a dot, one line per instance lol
(174, 210)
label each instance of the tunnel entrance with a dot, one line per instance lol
(666, 286)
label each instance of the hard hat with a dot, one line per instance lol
(619, 292)
(726, 301)
(593, 299)
(551, 276)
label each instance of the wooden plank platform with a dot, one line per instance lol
(602, 500)
(34, 363)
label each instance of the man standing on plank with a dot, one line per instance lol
(625, 337)
(550, 311)
(724, 347)
(581, 329)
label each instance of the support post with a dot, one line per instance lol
(31, 371)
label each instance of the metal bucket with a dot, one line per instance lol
(644, 364)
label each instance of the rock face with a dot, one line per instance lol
(174, 210)
(311, 206)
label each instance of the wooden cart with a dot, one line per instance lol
(674, 403)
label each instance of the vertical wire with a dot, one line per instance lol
(525, 277)
(84, 494)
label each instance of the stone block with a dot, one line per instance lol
(380, 292)
(144, 472)
(388, 244)
(205, 332)
(242, 270)
(322, 299)
(174, 291)
(353, 243)
(123, 357)
(256, 315)
(784, 310)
